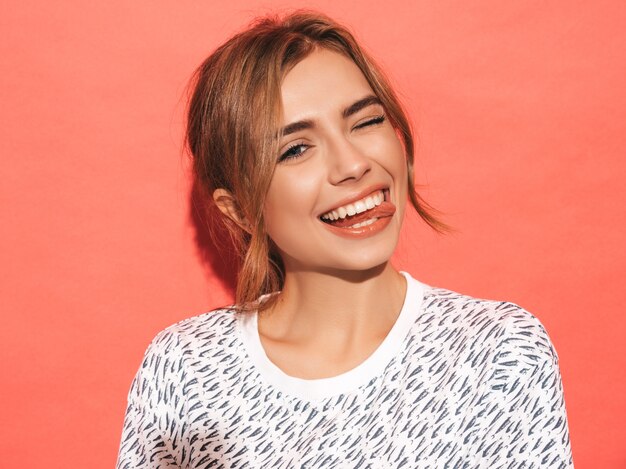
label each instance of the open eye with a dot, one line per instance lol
(373, 121)
(294, 151)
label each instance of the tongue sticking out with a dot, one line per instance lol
(386, 209)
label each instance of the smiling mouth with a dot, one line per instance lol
(362, 213)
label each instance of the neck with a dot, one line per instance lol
(335, 307)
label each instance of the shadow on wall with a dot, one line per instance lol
(213, 244)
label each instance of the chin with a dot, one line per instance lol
(365, 261)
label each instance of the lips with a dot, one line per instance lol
(363, 217)
(353, 208)
(385, 209)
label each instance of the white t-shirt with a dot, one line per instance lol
(458, 382)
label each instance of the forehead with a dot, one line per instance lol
(323, 82)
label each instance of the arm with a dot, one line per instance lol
(525, 415)
(153, 424)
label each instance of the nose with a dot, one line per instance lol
(346, 161)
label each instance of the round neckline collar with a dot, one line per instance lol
(321, 388)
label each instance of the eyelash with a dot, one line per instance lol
(288, 154)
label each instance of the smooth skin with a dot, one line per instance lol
(341, 295)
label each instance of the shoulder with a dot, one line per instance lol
(499, 326)
(195, 333)
(199, 342)
(504, 352)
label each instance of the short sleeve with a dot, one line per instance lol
(153, 423)
(525, 414)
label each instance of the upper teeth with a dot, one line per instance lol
(359, 206)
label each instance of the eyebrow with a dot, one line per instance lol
(360, 104)
(347, 112)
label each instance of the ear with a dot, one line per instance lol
(228, 206)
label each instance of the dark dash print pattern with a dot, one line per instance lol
(476, 385)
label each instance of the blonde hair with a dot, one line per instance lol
(233, 116)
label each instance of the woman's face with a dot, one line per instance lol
(338, 193)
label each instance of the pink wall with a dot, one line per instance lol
(520, 109)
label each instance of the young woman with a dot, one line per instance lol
(331, 358)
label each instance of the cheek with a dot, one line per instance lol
(394, 159)
(396, 166)
(273, 213)
(290, 202)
